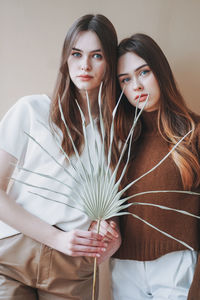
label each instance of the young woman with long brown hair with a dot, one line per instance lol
(45, 246)
(150, 265)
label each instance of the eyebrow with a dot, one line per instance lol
(137, 69)
(97, 50)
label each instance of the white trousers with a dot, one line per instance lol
(168, 277)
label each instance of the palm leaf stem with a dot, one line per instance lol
(102, 158)
(42, 188)
(85, 138)
(46, 176)
(51, 156)
(53, 200)
(95, 266)
(92, 124)
(71, 139)
(62, 150)
(157, 165)
(161, 191)
(167, 208)
(129, 138)
(154, 227)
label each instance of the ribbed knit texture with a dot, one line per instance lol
(141, 242)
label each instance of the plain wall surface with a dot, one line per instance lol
(32, 33)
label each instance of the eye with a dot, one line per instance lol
(97, 56)
(125, 80)
(144, 72)
(76, 54)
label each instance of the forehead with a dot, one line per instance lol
(87, 41)
(129, 62)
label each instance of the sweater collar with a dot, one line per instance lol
(149, 121)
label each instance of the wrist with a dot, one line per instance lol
(54, 238)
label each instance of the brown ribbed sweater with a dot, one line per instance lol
(139, 241)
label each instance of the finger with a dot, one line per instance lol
(113, 224)
(103, 226)
(97, 255)
(102, 229)
(109, 229)
(88, 234)
(93, 226)
(106, 228)
(107, 239)
(88, 242)
(87, 249)
(113, 229)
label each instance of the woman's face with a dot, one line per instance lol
(86, 62)
(138, 80)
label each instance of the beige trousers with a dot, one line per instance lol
(32, 271)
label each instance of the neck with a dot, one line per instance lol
(149, 121)
(93, 101)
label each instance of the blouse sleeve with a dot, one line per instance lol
(12, 129)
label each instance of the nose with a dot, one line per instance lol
(85, 64)
(137, 85)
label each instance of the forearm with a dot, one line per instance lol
(75, 243)
(17, 217)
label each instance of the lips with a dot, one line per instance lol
(141, 97)
(85, 77)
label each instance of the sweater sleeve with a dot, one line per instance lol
(12, 127)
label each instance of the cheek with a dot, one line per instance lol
(120, 84)
(154, 86)
(157, 92)
(101, 70)
(128, 93)
(158, 89)
(71, 67)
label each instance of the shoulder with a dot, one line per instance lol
(30, 108)
(34, 102)
(24, 113)
(22, 117)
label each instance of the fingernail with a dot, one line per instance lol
(103, 249)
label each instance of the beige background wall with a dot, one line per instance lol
(32, 33)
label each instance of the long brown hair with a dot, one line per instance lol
(174, 118)
(65, 89)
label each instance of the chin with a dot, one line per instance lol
(84, 86)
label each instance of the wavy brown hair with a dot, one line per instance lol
(174, 118)
(65, 89)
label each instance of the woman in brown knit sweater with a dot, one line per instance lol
(149, 264)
